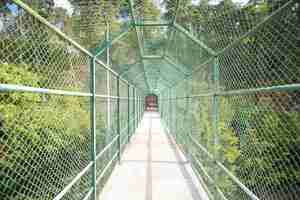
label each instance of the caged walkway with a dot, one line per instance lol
(153, 168)
(75, 78)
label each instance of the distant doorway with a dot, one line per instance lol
(151, 102)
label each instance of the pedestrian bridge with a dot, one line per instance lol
(153, 167)
(80, 81)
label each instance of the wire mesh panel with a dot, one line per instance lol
(58, 126)
(45, 139)
(245, 96)
(45, 144)
(226, 73)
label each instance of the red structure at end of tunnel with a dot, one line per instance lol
(151, 102)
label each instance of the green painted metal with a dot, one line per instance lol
(134, 108)
(278, 88)
(171, 29)
(164, 79)
(177, 8)
(189, 35)
(128, 114)
(215, 117)
(152, 57)
(151, 24)
(178, 68)
(235, 179)
(27, 89)
(139, 41)
(93, 126)
(118, 121)
(61, 34)
(109, 42)
(224, 66)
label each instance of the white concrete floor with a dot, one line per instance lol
(153, 168)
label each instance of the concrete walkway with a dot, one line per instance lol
(153, 168)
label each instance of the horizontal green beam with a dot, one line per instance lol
(111, 42)
(251, 91)
(5, 88)
(151, 24)
(177, 67)
(278, 88)
(104, 171)
(152, 57)
(20, 88)
(169, 83)
(197, 41)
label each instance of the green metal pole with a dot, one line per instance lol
(110, 43)
(151, 24)
(108, 111)
(140, 45)
(189, 120)
(118, 120)
(215, 116)
(133, 106)
(194, 39)
(175, 118)
(93, 125)
(128, 114)
(138, 108)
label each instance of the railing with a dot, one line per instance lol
(66, 115)
(229, 93)
(235, 115)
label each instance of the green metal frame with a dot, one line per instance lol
(189, 35)
(91, 166)
(178, 68)
(128, 115)
(136, 100)
(139, 41)
(109, 42)
(152, 57)
(151, 24)
(93, 125)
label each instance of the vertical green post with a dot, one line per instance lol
(128, 114)
(118, 119)
(137, 110)
(133, 106)
(174, 113)
(188, 120)
(139, 106)
(215, 114)
(108, 113)
(93, 124)
(169, 107)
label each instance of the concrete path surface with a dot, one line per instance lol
(153, 168)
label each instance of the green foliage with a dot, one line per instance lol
(50, 125)
(226, 149)
(270, 156)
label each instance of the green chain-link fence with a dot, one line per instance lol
(239, 124)
(73, 77)
(65, 115)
